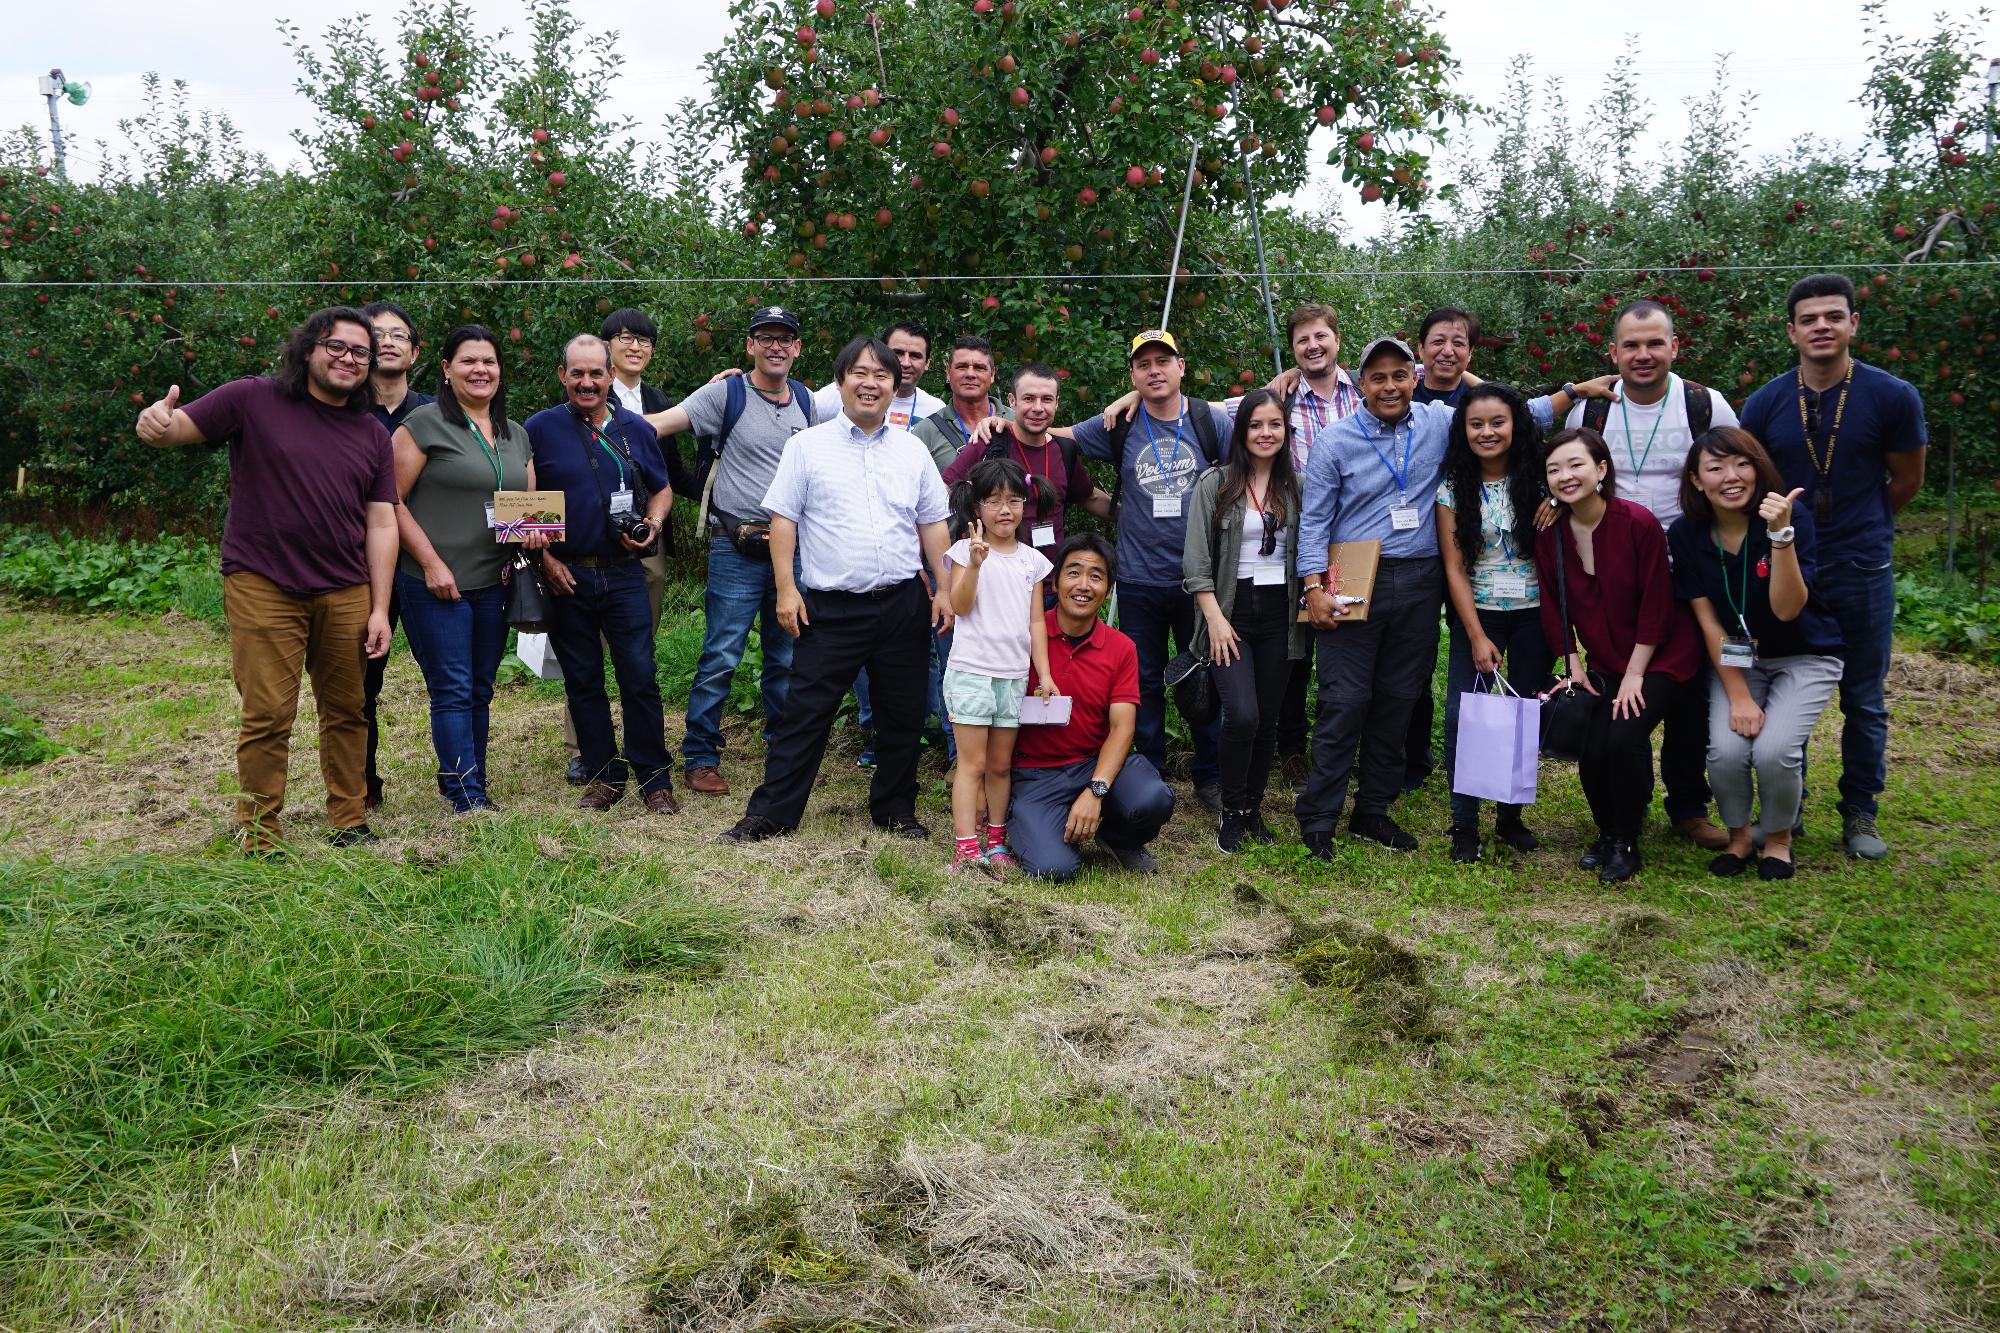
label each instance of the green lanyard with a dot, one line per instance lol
(1625, 419)
(491, 456)
(1739, 606)
(610, 453)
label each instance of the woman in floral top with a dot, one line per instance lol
(1494, 460)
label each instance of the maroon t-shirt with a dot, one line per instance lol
(1072, 485)
(301, 478)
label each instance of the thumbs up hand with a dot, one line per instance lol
(156, 423)
(1776, 509)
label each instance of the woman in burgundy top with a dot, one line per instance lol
(1640, 642)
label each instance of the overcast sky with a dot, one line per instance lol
(1805, 60)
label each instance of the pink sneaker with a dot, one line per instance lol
(963, 863)
(1000, 860)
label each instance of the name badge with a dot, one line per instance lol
(1509, 585)
(492, 521)
(1042, 534)
(1166, 506)
(1263, 576)
(1404, 518)
(1738, 652)
(621, 502)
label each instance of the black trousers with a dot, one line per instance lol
(1371, 675)
(1252, 689)
(1294, 727)
(371, 690)
(888, 632)
(1616, 767)
(1684, 749)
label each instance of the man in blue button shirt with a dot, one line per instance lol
(1372, 477)
(606, 462)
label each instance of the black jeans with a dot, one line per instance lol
(1616, 768)
(1370, 677)
(1294, 727)
(1518, 635)
(1252, 689)
(888, 632)
(371, 690)
(609, 610)
(1684, 748)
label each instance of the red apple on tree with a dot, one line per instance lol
(1019, 97)
(824, 8)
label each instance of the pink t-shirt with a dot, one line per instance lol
(992, 638)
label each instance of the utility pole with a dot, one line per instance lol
(1992, 87)
(52, 88)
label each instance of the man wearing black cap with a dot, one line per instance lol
(744, 422)
(1372, 476)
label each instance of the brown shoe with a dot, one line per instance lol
(599, 796)
(707, 780)
(662, 802)
(1297, 770)
(1704, 833)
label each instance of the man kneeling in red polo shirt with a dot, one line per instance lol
(1081, 778)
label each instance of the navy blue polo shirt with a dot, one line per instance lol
(1883, 416)
(1745, 582)
(563, 445)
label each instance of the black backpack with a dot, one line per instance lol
(1205, 440)
(1700, 410)
(737, 396)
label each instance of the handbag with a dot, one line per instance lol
(527, 599)
(1192, 679)
(1498, 742)
(1567, 710)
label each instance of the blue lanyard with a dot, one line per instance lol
(963, 429)
(1154, 444)
(1402, 478)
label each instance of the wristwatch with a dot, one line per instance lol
(1098, 788)
(1570, 389)
(1783, 536)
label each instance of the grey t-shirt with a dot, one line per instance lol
(749, 457)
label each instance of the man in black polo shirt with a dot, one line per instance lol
(607, 463)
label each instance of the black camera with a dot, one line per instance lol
(633, 528)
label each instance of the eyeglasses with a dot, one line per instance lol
(773, 339)
(337, 350)
(393, 336)
(634, 340)
(1003, 502)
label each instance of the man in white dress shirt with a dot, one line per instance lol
(862, 503)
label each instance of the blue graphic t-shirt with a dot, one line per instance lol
(1162, 461)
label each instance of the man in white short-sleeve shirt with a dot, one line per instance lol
(862, 504)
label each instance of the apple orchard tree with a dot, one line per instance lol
(989, 139)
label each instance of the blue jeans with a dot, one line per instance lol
(741, 592)
(1149, 616)
(1863, 601)
(1518, 635)
(609, 608)
(458, 645)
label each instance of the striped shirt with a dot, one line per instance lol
(1313, 413)
(858, 499)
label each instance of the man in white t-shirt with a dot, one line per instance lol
(911, 342)
(1649, 425)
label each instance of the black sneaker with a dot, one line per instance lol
(1209, 796)
(1133, 860)
(578, 774)
(1255, 829)
(1596, 854)
(1233, 831)
(1620, 865)
(359, 835)
(1516, 835)
(1465, 845)
(1382, 829)
(904, 826)
(753, 828)
(1319, 846)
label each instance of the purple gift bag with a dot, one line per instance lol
(1499, 741)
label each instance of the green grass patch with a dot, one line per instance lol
(23, 743)
(170, 573)
(153, 1007)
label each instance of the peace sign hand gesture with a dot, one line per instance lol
(975, 541)
(1776, 509)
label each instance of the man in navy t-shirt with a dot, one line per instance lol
(1853, 436)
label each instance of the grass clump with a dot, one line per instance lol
(1387, 984)
(1027, 930)
(154, 1007)
(23, 743)
(106, 575)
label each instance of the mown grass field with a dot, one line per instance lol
(551, 1072)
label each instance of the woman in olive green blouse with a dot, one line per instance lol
(451, 456)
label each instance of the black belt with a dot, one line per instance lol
(872, 595)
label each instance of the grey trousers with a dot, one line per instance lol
(1793, 692)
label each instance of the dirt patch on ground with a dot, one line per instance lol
(1686, 1060)
(1018, 927)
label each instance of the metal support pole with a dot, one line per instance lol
(55, 119)
(1950, 498)
(1174, 269)
(1263, 269)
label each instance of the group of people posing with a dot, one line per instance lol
(1714, 579)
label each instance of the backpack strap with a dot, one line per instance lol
(1700, 408)
(1596, 411)
(1116, 443)
(1205, 437)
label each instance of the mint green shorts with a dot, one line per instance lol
(973, 700)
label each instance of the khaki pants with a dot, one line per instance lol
(654, 567)
(274, 637)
